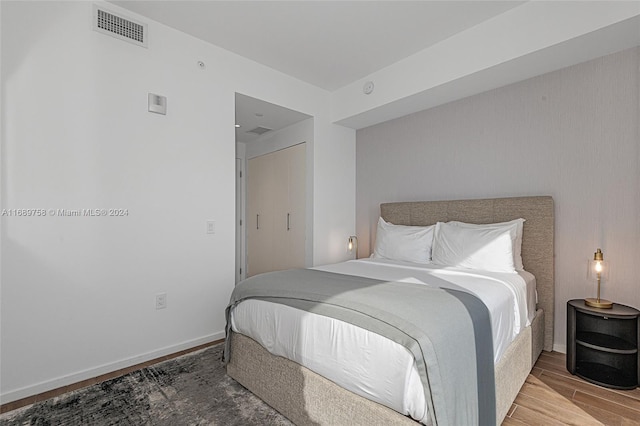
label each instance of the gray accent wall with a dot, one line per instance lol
(573, 134)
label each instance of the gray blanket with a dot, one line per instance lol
(447, 331)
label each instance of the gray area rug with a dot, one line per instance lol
(193, 389)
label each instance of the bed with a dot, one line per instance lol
(306, 397)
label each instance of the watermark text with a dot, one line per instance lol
(64, 212)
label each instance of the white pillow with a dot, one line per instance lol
(517, 242)
(404, 243)
(474, 248)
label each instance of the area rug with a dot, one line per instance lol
(193, 389)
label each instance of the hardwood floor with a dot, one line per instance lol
(552, 396)
(4, 408)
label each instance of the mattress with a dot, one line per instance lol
(371, 365)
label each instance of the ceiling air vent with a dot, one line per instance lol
(259, 130)
(118, 26)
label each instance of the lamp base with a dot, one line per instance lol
(598, 303)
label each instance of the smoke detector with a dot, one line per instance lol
(367, 88)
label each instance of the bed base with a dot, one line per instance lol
(306, 398)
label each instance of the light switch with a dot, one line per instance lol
(211, 227)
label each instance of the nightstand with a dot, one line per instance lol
(602, 344)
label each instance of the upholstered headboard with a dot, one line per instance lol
(537, 237)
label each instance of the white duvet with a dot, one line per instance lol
(371, 365)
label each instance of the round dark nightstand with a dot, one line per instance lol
(602, 344)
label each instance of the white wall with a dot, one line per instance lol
(77, 293)
(573, 134)
(333, 191)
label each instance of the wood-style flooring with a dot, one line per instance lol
(552, 396)
(99, 379)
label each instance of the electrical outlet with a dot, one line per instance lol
(161, 300)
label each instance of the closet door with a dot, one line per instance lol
(260, 216)
(280, 197)
(296, 206)
(276, 211)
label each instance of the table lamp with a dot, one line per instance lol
(598, 269)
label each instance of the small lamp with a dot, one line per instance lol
(598, 269)
(352, 245)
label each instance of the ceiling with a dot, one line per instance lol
(326, 43)
(331, 44)
(252, 113)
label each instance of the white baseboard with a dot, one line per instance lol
(90, 373)
(560, 348)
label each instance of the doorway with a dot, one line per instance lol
(263, 128)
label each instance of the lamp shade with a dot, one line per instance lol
(598, 270)
(598, 265)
